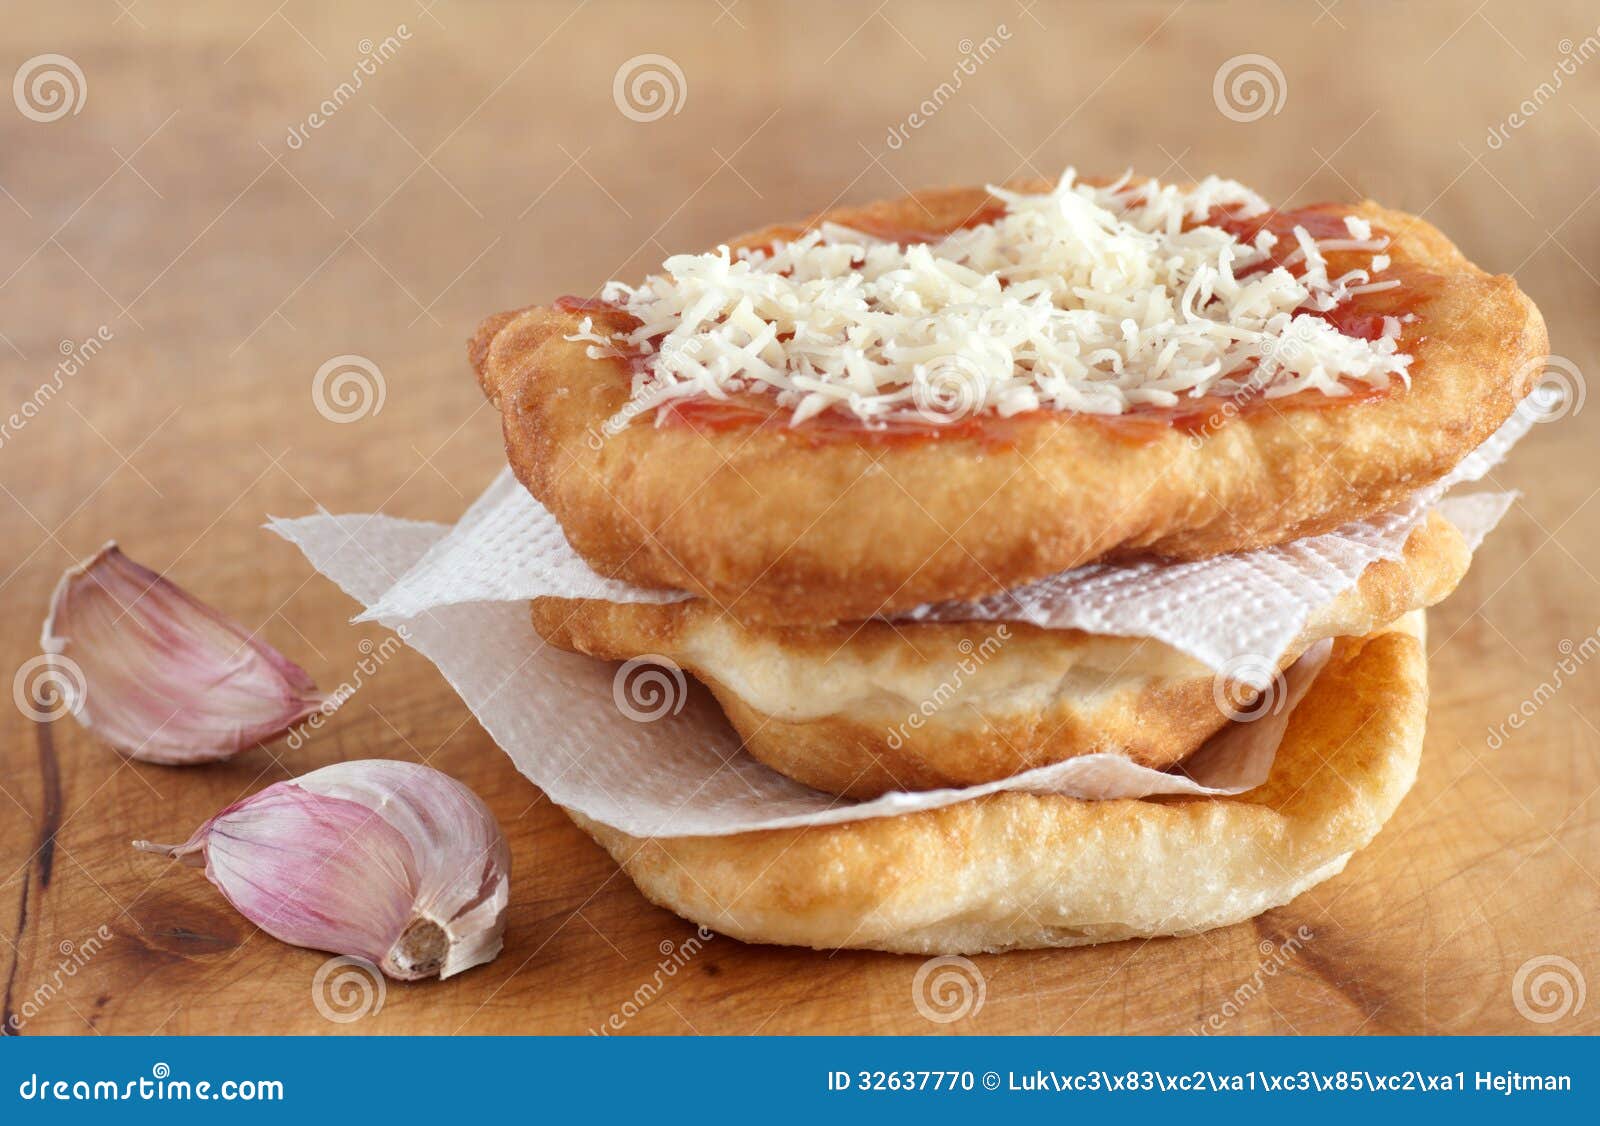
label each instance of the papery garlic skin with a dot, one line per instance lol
(391, 861)
(166, 678)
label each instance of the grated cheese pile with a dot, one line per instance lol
(1082, 298)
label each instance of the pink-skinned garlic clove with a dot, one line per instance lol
(161, 676)
(385, 860)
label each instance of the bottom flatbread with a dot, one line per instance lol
(1021, 871)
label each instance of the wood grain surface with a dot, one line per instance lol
(484, 164)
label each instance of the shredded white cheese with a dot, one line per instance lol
(1083, 298)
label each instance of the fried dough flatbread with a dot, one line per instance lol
(819, 523)
(1019, 871)
(860, 710)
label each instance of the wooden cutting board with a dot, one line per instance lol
(483, 164)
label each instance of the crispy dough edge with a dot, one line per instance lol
(1019, 871)
(779, 528)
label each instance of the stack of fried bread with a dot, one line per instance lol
(821, 430)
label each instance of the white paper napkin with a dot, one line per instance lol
(462, 593)
(558, 715)
(683, 774)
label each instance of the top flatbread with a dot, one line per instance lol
(821, 523)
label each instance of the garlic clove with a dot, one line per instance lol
(161, 676)
(391, 861)
(463, 881)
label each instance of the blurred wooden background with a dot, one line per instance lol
(484, 163)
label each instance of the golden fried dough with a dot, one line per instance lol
(820, 523)
(1018, 870)
(859, 710)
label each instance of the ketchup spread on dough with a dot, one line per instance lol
(1360, 316)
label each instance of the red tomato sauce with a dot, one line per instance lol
(1361, 316)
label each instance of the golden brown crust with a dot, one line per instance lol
(806, 525)
(1022, 871)
(860, 710)
(908, 706)
(866, 753)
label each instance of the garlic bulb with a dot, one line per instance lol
(390, 861)
(160, 675)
